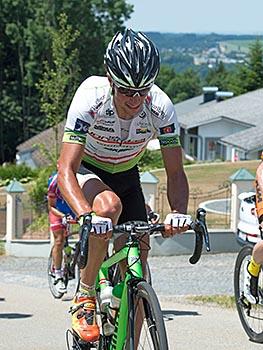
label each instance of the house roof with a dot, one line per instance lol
(247, 140)
(246, 108)
(47, 139)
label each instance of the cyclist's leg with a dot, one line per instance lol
(258, 253)
(134, 209)
(104, 202)
(58, 231)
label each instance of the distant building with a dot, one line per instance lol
(228, 129)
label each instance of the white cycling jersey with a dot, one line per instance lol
(92, 120)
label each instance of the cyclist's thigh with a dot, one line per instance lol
(94, 188)
(55, 223)
(134, 209)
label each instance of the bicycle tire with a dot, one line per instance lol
(153, 333)
(251, 316)
(51, 277)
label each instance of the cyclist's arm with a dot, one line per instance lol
(177, 184)
(52, 207)
(68, 165)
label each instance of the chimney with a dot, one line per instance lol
(209, 93)
(223, 95)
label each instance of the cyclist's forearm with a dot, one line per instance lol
(56, 212)
(178, 192)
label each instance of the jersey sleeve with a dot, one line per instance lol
(52, 186)
(168, 129)
(79, 117)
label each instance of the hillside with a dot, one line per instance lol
(200, 51)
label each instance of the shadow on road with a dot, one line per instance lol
(169, 315)
(13, 315)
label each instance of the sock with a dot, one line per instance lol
(253, 268)
(87, 290)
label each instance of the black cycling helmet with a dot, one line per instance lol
(132, 60)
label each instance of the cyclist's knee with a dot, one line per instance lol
(111, 207)
(59, 240)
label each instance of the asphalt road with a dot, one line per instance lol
(30, 319)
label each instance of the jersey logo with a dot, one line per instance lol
(168, 129)
(142, 130)
(81, 126)
(109, 112)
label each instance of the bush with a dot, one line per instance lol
(21, 173)
(38, 191)
(151, 160)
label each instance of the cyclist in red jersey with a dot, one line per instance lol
(58, 210)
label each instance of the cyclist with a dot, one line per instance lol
(109, 123)
(58, 210)
(252, 269)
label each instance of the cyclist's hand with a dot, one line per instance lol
(64, 221)
(101, 227)
(153, 217)
(176, 223)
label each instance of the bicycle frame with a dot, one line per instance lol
(131, 252)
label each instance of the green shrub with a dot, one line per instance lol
(2, 248)
(10, 171)
(38, 191)
(151, 160)
(39, 224)
(22, 173)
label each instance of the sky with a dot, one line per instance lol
(197, 16)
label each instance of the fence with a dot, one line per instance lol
(219, 218)
(2, 215)
(35, 222)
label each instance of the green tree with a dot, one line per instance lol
(60, 77)
(184, 86)
(166, 74)
(218, 76)
(249, 76)
(25, 44)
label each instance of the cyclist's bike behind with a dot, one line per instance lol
(69, 266)
(58, 211)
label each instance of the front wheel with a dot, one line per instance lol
(251, 316)
(150, 332)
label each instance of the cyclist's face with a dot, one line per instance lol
(128, 102)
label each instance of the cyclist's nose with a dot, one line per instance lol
(136, 98)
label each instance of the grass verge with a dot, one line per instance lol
(226, 301)
(2, 248)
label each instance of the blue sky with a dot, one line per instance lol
(198, 16)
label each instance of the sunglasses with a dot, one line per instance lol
(132, 92)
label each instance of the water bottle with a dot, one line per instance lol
(105, 294)
(115, 302)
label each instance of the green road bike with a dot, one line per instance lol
(139, 321)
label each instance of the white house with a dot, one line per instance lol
(227, 129)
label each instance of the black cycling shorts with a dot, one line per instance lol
(128, 188)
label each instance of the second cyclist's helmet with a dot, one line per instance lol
(132, 60)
